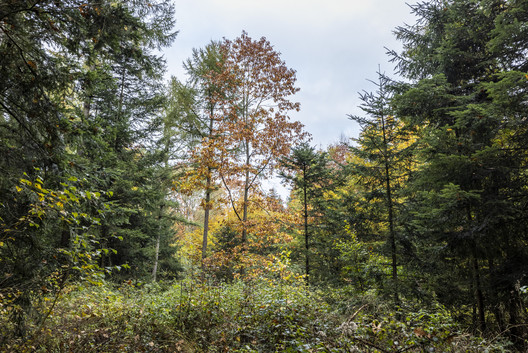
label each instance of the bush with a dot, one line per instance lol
(256, 316)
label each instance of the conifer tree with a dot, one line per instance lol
(198, 120)
(79, 94)
(383, 152)
(466, 217)
(307, 171)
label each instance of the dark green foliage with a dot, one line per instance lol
(467, 215)
(80, 93)
(315, 175)
(307, 171)
(382, 164)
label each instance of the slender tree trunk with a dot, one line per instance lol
(156, 251)
(479, 297)
(392, 237)
(515, 332)
(392, 232)
(156, 259)
(245, 209)
(497, 312)
(86, 108)
(306, 236)
(246, 197)
(87, 87)
(206, 216)
(121, 94)
(208, 185)
(118, 137)
(473, 304)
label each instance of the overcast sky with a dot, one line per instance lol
(334, 45)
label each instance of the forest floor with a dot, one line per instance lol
(257, 316)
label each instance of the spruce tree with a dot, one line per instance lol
(467, 216)
(383, 154)
(306, 169)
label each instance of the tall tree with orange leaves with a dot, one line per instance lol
(258, 128)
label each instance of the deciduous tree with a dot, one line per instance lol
(199, 120)
(258, 130)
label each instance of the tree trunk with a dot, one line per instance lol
(246, 197)
(206, 217)
(245, 209)
(515, 330)
(207, 193)
(497, 312)
(392, 232)
(306, 237)
(87, 88)
(156, 259)
(479, 297)
(392, 238)
(121, 95)
(156, 251)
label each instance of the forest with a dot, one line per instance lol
(134, 214)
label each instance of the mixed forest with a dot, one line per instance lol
(134, 214)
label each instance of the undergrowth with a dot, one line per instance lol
(258, 316)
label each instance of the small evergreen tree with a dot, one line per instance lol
(384, 160)
(306, 170)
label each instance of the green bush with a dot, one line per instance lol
(257, 316)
